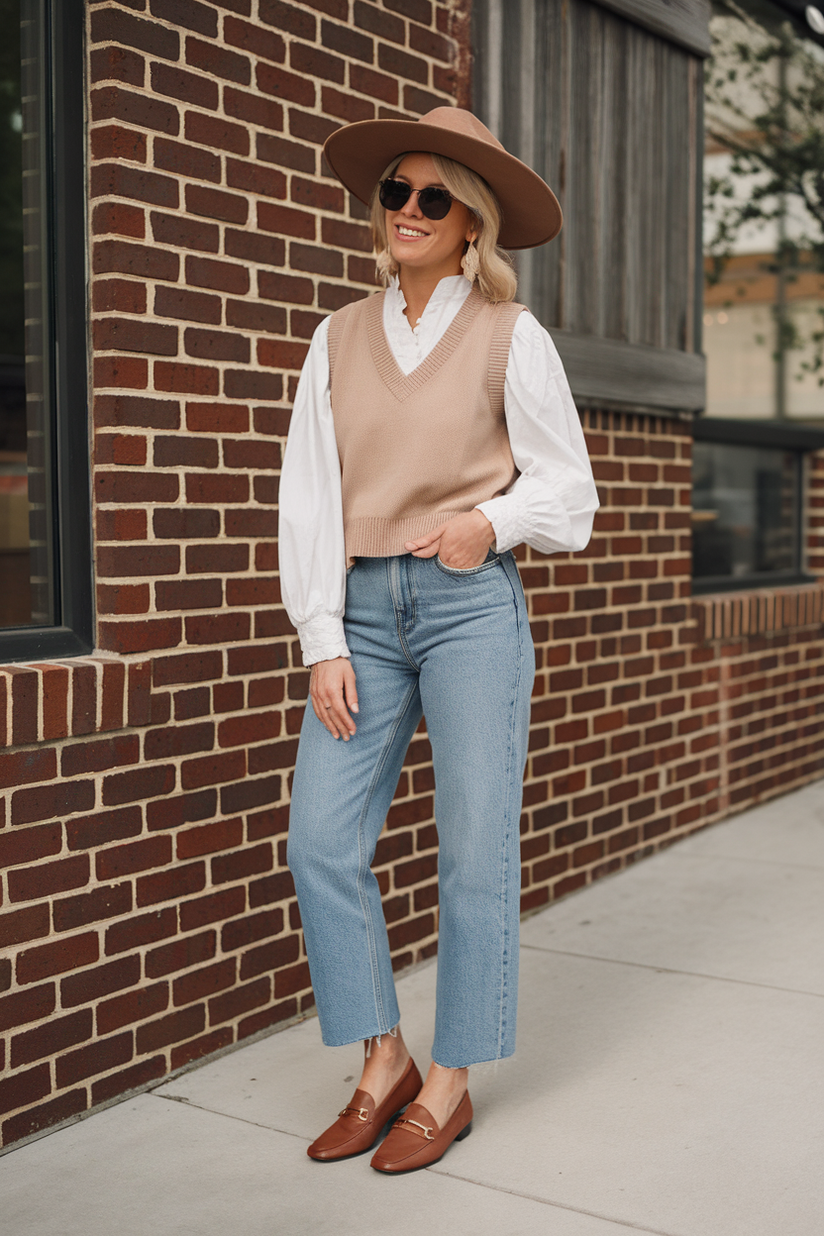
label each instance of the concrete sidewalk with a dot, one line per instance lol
(669, 1079)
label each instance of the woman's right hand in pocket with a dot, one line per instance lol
(334, 696)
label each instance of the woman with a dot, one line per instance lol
(433, 430)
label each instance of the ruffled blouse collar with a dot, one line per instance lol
(449, 295)
(411, 342)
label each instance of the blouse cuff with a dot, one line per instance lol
(509, 518)
(322, 638)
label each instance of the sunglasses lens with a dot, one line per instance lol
(394, 194)
(434, 203)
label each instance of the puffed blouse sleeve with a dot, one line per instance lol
(312, 556)
(552, 503)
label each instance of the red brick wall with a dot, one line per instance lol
(767, 649)
(618, 760)
(147, 918)
(656, 713)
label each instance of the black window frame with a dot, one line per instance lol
(802, 440)
(64, 201)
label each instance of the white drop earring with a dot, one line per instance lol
(471, 263)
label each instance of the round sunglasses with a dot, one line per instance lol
(433, 202)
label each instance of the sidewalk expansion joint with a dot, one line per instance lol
(176, 1098)
(645, 965)
(749, 858)
(545, 1201)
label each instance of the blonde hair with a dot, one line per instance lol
(496, 278)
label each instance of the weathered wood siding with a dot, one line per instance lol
(684, 21)
(610, 114)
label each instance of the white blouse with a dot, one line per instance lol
(550, 505)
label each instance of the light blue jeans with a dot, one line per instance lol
(454, 646)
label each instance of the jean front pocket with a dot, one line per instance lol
(490, 561)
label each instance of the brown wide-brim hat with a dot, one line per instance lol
(359, 153)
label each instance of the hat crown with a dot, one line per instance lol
(358, 154)
(458, 120)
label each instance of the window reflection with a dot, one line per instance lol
(25, 489)
(745, 511)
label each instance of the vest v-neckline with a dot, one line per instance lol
(401, 384)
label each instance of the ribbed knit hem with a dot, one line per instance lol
(386, 538)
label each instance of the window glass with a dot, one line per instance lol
(764, 295)
(745, 511)
(25, 487)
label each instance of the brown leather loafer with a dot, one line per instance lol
(360, 1124)
(415, 1141)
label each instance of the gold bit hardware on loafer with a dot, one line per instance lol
(426, 1130)
(361, 1113)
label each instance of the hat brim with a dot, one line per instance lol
(359, 153)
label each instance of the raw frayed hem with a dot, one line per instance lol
(376, 1038)
(362, 1038)
(490, 1066)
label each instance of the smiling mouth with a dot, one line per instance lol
(409, 232)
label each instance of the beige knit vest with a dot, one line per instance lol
(418, 449)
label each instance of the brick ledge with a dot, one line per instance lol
(50, 700)
(761, 611)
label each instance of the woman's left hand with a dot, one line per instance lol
(462, 543)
